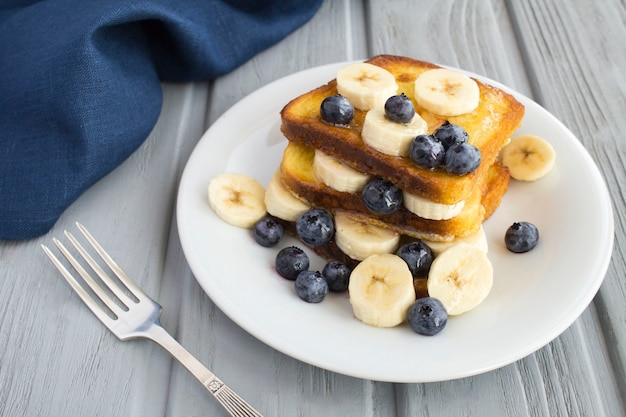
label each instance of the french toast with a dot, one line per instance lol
(298, 177)
(389, 172)
(489, 127)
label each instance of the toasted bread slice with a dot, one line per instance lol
(489, 127)
(297, 175)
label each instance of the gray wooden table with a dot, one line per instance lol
(56, 359)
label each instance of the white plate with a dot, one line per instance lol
(535, 297)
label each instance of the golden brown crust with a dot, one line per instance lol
(495, 187)
(489, 127)
(297, 176)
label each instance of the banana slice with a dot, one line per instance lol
(237, 199)
(366, 85)
(528, 157)
(461, 277)
(281, 203)
(478, 239)
(359, 240)
(446, 92)
(389, 137)
(337, 175)
(381, 290)
(428, 209)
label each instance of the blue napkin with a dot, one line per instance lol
(80, 85)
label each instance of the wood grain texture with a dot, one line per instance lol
(578, 76)
(57, 359)
(475, 36)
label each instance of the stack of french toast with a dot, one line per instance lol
(327, 165)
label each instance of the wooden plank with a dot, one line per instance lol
(577, 74)
(277, 384)
(474, 36)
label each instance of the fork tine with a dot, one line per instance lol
(84, 295)
(95, 287)
(100, 272)
(128, 282)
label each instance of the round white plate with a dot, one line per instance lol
(535, 297)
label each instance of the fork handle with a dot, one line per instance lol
(232, 403)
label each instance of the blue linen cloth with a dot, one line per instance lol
(80, 85)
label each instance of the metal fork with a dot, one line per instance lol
(137, 316)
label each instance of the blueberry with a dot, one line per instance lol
(399, 109)
(311, 286)
(427, 152)
(427, 316)
(337, 110)
(521, 237)
(381, 196)
(290, 261)
(449, 134)
(462, 158)
(267, 231)
(315, 227)
(418, 257)
(337, 275)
